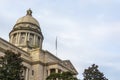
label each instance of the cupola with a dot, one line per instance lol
(26, 33)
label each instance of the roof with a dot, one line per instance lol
(28, 19)
(69, 64)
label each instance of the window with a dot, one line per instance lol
(31, 39)
(32, 72)
(14, 39)
(52, 71)
(22, 38)
(38, 41)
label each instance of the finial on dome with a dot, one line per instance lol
(29, 12)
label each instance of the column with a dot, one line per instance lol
(48, 72)
(34, 40)
(11, 39)
(28, 36)
(19, 34)
(56, 71)
(26, 74)
(26, 39)
(17, 38)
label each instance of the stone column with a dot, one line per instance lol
(56, 70)
(26, 39)
(19, 34)
(34, 40)
(17, 38)
(11, 39)
(48, 72)
(26, 74)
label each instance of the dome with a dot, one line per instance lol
(28, 23)
(26, 33)
(28, 19)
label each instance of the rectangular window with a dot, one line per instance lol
(32, 72)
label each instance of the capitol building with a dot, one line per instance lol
(26, 38)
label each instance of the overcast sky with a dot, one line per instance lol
(88, 31)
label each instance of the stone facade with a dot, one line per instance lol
(26, 38)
